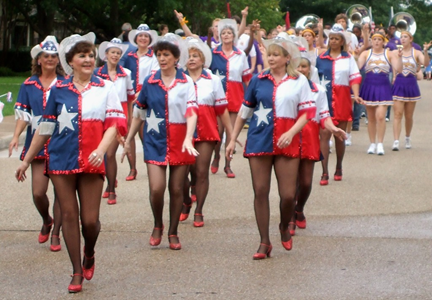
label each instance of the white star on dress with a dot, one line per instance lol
(153, 122)
(35, 123)
(219, 75)
(262, 113)
(65, 119)
(324, 82)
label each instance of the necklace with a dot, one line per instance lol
(81, 83)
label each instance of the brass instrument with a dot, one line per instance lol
(357, 14)
(307, 21)
(403, 22)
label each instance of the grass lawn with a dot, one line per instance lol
(10, 84)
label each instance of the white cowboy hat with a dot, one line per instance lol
(228, 23)
(49, 45)
(289, 46)
(143, 28)
(68, 43)
(180, 43)
(338, 29)
(114, 43)
(201, 46)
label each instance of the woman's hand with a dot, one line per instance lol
(96, 158)
(284, 140)
(187, 146)
(20, 172)
(426, 46)
(229, 150)
(13, 145)
(126, 150)
(339, 133)
(358, 99)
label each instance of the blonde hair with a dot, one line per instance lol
(200, 54)
(289, 68)
(307, 61)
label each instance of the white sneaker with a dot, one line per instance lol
(372, 149)
(395, 146)
(380, 149)
(330, 146)
(348, 141)
(366, 121)
(407, 142)
(387, 120)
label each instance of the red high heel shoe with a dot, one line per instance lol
(338, 175)
(287, 245)
(112, 201)
(44, 237)
(324, 179)
(105, 195)
(76, 288)
(172, 245)
(132, 175)
(88, 273)
(156, 242)
(55, 248)
(183, 217)
(229, 173)
(214, 165)
(258, 256)
(300, 224)
(198, 224)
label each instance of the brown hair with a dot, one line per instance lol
(341, 16)
(80, 47)
(36, 69)
(164, 45)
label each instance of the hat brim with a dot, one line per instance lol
(289, 46)
(180, 43)
(104, 46)
(68, 43)
(345, 35)
(204, 48)
(152, 33)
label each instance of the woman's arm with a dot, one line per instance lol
(182, 20)
(19, 128)
(286, 138)
(36, 145)
(191, 122)
(396, 60)
(137, 120)
(238, 125)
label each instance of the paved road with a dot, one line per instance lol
(368, 237)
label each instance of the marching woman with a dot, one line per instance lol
(211, 102)
(339, 74)
(112, 52)
(280, 103)
(406, 91)
(141, 62)
(310, 144)
(168, 106)
(81, 117)
(312, 51)
(376, 88)
(230, 64)
(32, 100)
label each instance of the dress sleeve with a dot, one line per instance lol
(250, 101)
(221, 103)
(140, 106)
(322, 106)
(114, 116)
(355, 76)
(129, 88)
(49, 117)
(22, 105)
(306, 104)
(246, 71)
(192, 104)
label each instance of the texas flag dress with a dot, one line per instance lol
(122, 83)
(141, 67)
(337, 76)
(309, 136)
(165, 110)
(211, 102)
(31, 102)
(274, 109)
(233, 71)
(77, 121)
